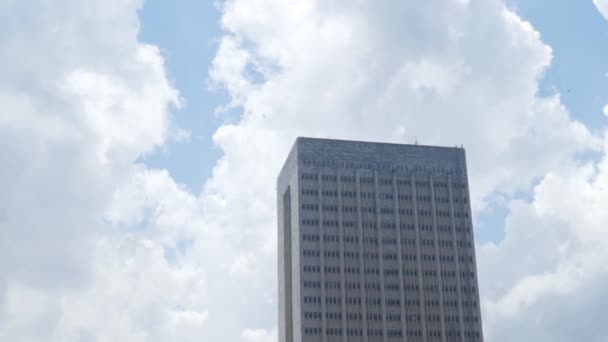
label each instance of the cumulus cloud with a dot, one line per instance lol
(553, 256)
(602, 6)
(445, 73)
(440, 72)
(81, 100)
(259, 336)
(94, 246)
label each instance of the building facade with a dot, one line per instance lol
(376, 244)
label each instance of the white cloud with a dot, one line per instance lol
(342, 67)
(95, 247)
(259, 336)
(602, 6)
(553, 256)
(81, 100)
(444, 72)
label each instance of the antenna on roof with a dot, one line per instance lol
(415, 141)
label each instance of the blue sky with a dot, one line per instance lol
(188, 35)
(187, 32)
(578, 35)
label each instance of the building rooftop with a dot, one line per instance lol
(376, 155)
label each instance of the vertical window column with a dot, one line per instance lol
(361, 259)
(437, 258)
(400, 257)
(322, 256)
(342, 262)
(419, 253)
(381, 259)
(469, 223)
(456, 256)
(287, 267)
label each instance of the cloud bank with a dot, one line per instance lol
(97, 247)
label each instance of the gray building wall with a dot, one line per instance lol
(376, 244)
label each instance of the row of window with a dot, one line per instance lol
(354, 332)
(382, 196)
(355, 239)
(356, 286)
(329, 178)
(450, 289)
(383, 181)
(390, 333)
(356, 270)
(317, 315)
(446, 274)
(365, 195)
(385, 225)
(369, 301)
(387, 241)
(387, 287)
(372, 210)
(335, 300)
(345, 194)
(376, 166)
(450, 303)
(374, 301)
(358, 301)
(325, 178)
(366, 180)
(387, 271)
(310, 192)
(385, 256)
(350, 316)
(412, 227)
(447, 243)
(359, 332)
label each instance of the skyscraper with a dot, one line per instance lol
(376, 244)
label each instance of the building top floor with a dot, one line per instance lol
(330, 154)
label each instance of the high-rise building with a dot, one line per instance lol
(376, 244)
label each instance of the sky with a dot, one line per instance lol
(140, 143)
